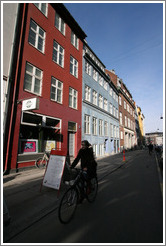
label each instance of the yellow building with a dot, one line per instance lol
(141, 118)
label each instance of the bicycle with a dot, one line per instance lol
(78, 187)
(42, 161)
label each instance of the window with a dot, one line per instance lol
(87, 68)
(105, 104)
(43, 7)
(94, 97)
(131, 125)
(73, 66)
(125, 121)
(111, 91)
(36, 36)
(100, 80)
(87, 93)
(94, 126)
(94, 74)
(74, 40)
(128, 122)
(120, 100)
(111, 108)
(87, 124)
(111, 130)
(114, 95)
(95, 149)
(120, 115)
(117, 115)
(105, 85)
(101, 149)
(121, 135)
(58, 54)
(124, 104)
(56, 90)
(127, 108)
(106, 128)
(59, 23)
(116, 98)
(115, 132)
(114, 113)
(72, 98)
(33, 79)
(100, 127)
(100, 101)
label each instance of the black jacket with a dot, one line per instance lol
(87, 159)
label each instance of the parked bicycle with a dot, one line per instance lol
(42, 161)
(78, 188)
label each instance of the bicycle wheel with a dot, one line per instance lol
(68, 205)
(92, 192)
(40, 162)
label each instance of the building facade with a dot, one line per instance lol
(141, 118)
(100, 115)
(126, 113)
(155, 137)
(48, 109)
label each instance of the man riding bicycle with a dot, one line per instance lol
(88, 163)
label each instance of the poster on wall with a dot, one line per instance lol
(49, 145)
(54, 171)
(28, 146)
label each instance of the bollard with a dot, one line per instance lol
(123, 155)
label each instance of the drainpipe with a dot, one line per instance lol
(14, 91)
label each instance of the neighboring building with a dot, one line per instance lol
(126, 113)
(100, 115)
(48, 103)
(155, 137)
(137, 129)
(141, 117)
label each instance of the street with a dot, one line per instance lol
(128, 209)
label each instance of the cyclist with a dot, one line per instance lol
(88, 163)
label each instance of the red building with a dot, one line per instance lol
(49, 86)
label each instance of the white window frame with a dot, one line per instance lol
(105, 104)
(117, 113)
(121, 135)
(120, 118)
(100, 80)
(117, 132)
(124, 104)
(87, 93)
(111, 91)
(73, 66)
(114, 131)
(60, 24)
(105, 85)
(59, 53)
(120, 100)
(125, 121)
(114, 95)
(34, 76)
(87, 124)
(100, 101)
(38, 36)
(94, 126)
(73, 94)
(74, 40)
(105, 128)
(94, 97)
(95, 74)
(39, 6)
(111, 108)
(100, 127)
(111, 131)
(114, 112)
(88, 68)
(57, 88)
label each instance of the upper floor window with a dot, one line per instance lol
(124, 104)
(43, 7)
(105, 128)
(59, 23)
(33, 79)
(36, 36)
(74, 66)
(94, 126)
(94, 74)
(111, 108)
(56, 90)
(73, 98)
(100, 127)
(105, 85)
(105, 104)
(94, 97)
(120, 100)
(120, 116)
(114, 112)
(87, 68)
(100, 80)
(100, 101)
(58, 54)
(87, 124)
(87, 93)
(111, 91)
(74, 40)
(114, 95)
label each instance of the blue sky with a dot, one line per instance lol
(128, 37)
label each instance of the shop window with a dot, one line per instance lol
(72, 126)
(52, 122)
(32, 119)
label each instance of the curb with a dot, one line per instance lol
(159, 175)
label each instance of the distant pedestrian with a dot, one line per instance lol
(150, 148)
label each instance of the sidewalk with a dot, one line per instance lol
(25, 202)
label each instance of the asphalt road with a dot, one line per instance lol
(128, 209)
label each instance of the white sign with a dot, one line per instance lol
(30, 104)
(49, 145)
(54, 171)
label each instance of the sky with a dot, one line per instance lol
(128, 37)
